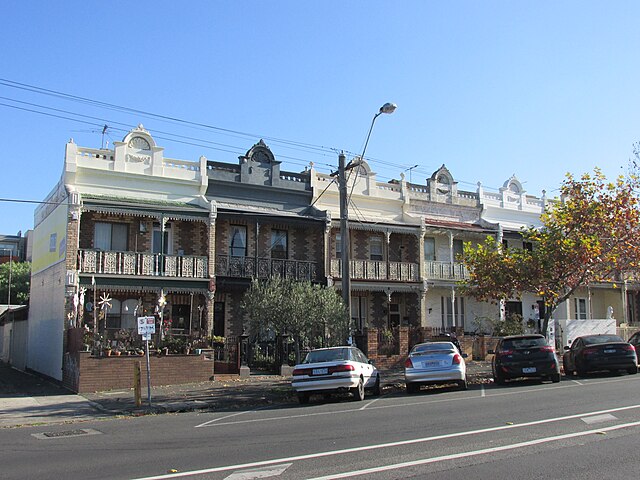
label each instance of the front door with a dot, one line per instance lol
(218, 319)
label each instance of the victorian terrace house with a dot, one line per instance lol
(125, 233)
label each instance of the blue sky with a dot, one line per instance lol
(489, 88)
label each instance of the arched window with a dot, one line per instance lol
(129, 314)
(114, 315)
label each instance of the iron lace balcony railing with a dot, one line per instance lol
(377, 270)
(248, 267)
(445, 270)
(142, 264)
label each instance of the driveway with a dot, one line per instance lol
(27, 399)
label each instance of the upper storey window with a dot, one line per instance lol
(238, 241)
(279, 244)
(110, 236)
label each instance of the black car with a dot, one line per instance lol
(518, 356)
(635, 341)
(591, 353)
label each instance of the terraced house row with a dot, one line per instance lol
(129, 232)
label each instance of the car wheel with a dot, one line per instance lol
(580, 371)
(632, 370)
(303, 397)
(499, 379)
(376, 387)
(462, 384)
(568, 372)
(412, 387)
(358, 392)
(555, 378)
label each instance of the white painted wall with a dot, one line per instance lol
(46, 321)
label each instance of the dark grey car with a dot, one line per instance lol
(519, 356)
(592, 353)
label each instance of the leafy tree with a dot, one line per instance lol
(590, 236)
(512, 325)
(20, 281)
(300, 309)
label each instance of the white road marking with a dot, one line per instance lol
(576, 381)
(482, 392)
(445, 398)
(607, 417)
(264, 472)
(205, 424)
(474, 453)
(396, 444)
(222, 418)
(370, 403)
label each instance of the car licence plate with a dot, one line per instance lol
(432, 363)
(610, 350)
(319, 371)
(529, 370)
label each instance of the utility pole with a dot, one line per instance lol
(344, 215)
(344, 237)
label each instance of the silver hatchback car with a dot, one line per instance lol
(434, 363)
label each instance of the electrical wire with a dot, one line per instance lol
(301, 146)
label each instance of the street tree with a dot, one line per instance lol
(311, 314)
(591, 235)
(20, 273)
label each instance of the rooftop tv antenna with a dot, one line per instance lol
(104, 131)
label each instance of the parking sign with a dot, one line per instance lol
(146, 326)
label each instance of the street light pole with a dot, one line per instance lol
(409, 169)
(9, 314)
(10, 273)
(387, 108)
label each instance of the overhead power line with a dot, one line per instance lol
(308, 148)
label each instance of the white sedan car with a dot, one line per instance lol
(432, 363)
(335, 370)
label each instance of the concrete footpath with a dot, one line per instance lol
(28, 399)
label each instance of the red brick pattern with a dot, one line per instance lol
(83, 373)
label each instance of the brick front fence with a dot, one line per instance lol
(84, 373)
(390, 348)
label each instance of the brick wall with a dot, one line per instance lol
(387, 361)
(83, 373)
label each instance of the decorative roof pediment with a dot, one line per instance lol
(139, 139)
(364, 169)
(513, 186)
(443, 176)
(261, 154)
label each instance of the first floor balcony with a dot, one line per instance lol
(142, 264)
(249, 267)
(445, 271)
(377, 270)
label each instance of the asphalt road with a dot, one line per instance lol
(584, 428)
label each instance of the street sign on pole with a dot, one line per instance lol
(147, 327)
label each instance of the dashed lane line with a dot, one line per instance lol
(414, 441)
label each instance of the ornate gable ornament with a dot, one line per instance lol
(260, 153)
(513, 186)
(442, 186)
(139, 139)
(512, 191)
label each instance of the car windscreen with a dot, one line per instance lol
(602, 339)
(525, 342)
(429, 348)
(331, 355)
